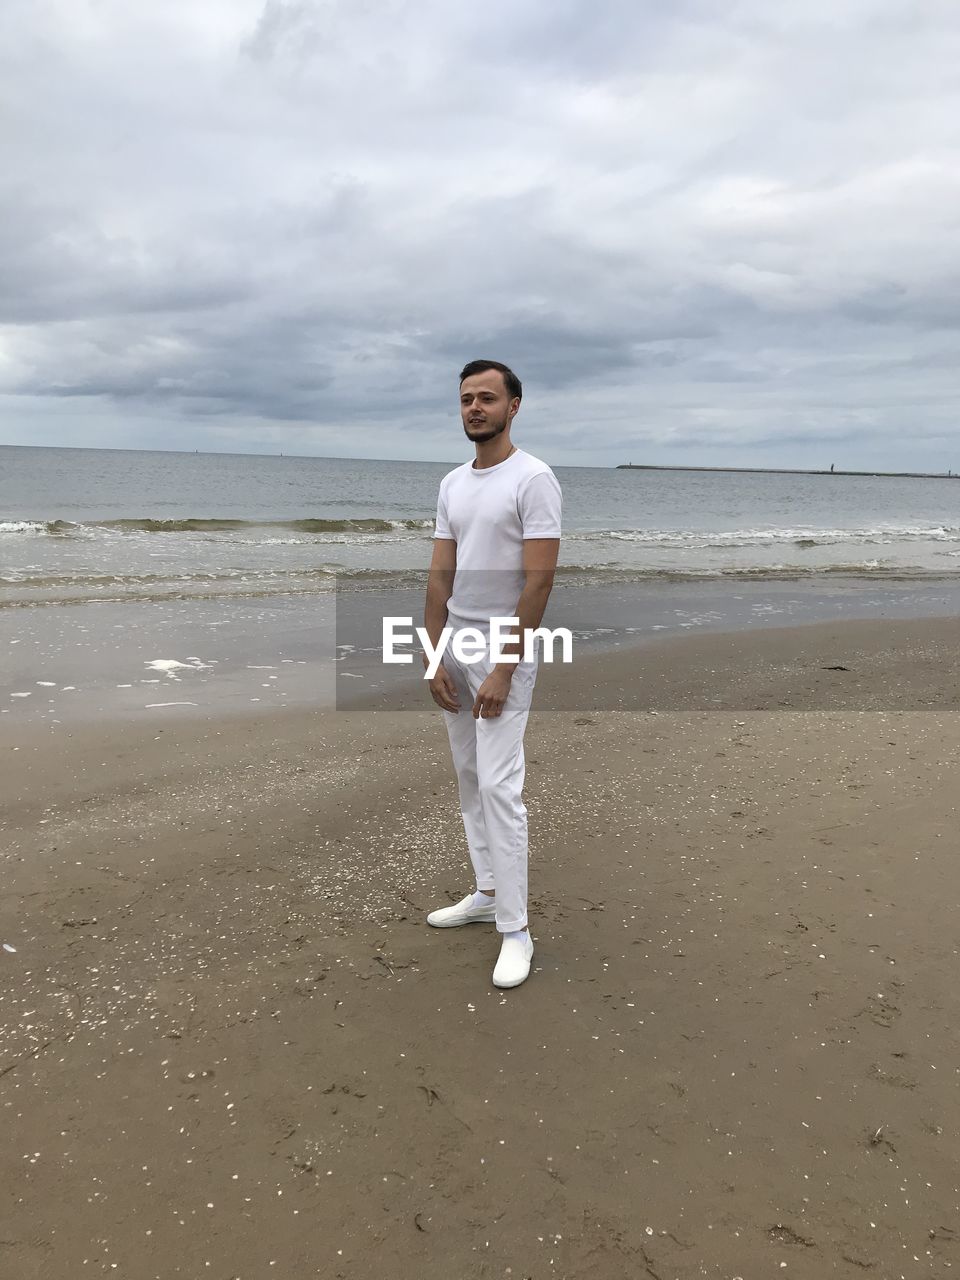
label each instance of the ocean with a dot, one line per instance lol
(112, 560)
(86, 524)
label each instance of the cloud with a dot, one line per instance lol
(728, 232)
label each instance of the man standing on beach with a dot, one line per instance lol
(494, 556)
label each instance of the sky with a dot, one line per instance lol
(701, 233)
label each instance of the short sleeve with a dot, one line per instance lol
(541, 505)
(442, 529)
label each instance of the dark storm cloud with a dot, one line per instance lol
(689, 229)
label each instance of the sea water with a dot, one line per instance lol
(231, 566)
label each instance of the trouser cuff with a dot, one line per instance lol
(511, 926)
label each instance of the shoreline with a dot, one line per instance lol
(103, 662)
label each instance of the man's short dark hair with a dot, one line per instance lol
(510, 379)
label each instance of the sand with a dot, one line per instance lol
(231, 1047)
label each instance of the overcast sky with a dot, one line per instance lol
(700, 232)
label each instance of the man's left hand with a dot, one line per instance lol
(492, 694)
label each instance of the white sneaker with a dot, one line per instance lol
(514, 963)
(462, 913)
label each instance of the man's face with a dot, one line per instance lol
(485, 406)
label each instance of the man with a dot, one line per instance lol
(494, 555)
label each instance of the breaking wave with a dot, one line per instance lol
(214, 524)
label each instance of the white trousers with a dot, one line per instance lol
(488, 758)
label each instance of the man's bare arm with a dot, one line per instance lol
(443, 566)
(539, 565)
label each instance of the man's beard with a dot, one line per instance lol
(490, 432)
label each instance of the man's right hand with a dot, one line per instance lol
(443, 690)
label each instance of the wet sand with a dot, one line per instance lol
(227, 1036)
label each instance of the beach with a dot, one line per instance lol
(232, 1047)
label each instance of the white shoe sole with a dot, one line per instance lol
(476, 915)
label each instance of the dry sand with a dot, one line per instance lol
(231, 1047)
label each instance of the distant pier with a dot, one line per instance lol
(796, 471)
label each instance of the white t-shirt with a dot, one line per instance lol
(489, 513)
